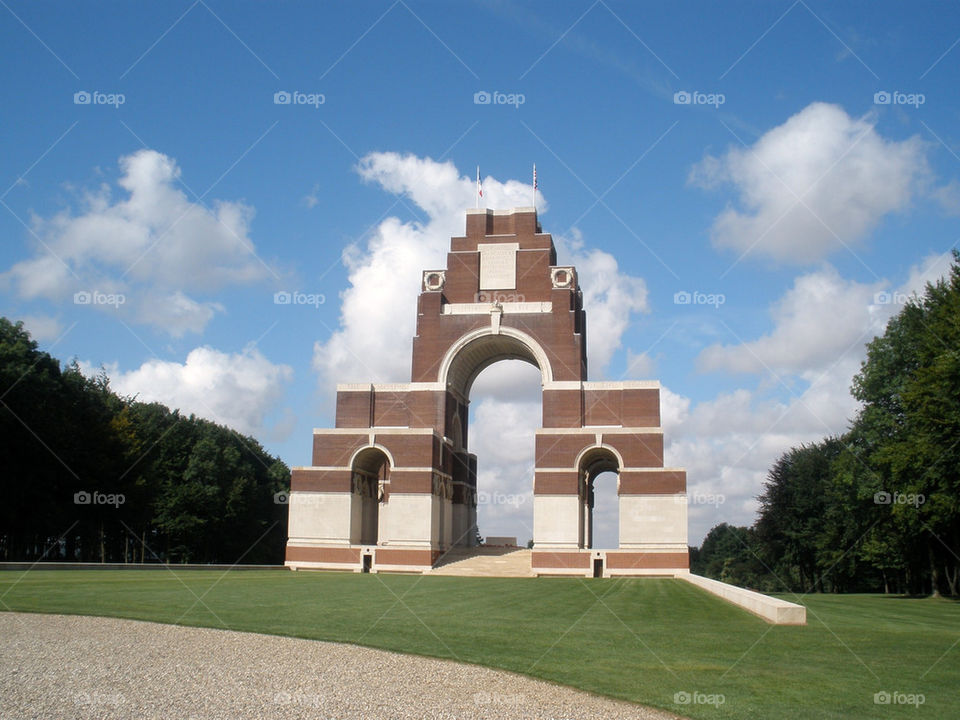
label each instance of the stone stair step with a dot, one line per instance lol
(486, 562)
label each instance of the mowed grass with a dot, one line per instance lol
(644, 640)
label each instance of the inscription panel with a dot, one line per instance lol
(498, 265)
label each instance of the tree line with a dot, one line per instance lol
(87, 475)
(876, 509)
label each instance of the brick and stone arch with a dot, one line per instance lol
(370, 476)
(395, 479)
(592, 462)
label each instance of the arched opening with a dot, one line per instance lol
(498, 410)
(599, 501)
(605, 520)
(479, 349)
(370, 470)
(505, 410)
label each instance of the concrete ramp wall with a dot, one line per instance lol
(773, 610)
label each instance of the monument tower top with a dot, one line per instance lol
(486, 221)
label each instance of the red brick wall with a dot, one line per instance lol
(336, 448)
(405, 557)
(556, 483)
(558, 560)
(653, 482)
(638, 450)
(354, 409)
(647, 561)
(411, 482)
(323, 554)
(641, 408)
(560, 451)
(601, 407)
(306, 479)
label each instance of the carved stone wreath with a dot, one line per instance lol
(433, 280)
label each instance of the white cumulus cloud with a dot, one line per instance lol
(239, 390)
(42, 328)
(821, 181)
(152, 244)
(610, 298)
(806, 364)
(821, 318)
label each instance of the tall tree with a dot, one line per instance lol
(793, 509)
(182, 489)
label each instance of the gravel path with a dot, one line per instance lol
(57, 666)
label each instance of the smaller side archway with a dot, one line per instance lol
(593, 462)
(369, 474)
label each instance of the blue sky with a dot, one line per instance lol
(787, 188)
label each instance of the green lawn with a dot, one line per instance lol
(639, 639)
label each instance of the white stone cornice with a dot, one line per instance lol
(507, 308)
(603, 431)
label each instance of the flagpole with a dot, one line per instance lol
(534, 186)
(478, 186)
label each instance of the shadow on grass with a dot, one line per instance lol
(949, 598)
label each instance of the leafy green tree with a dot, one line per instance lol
(192, 490)
(793, 508)
(929, 465)
(910, 389)
(729, 553)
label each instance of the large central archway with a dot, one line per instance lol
(400, 453)
(463, 363)
(505, 410)
(477, 350)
